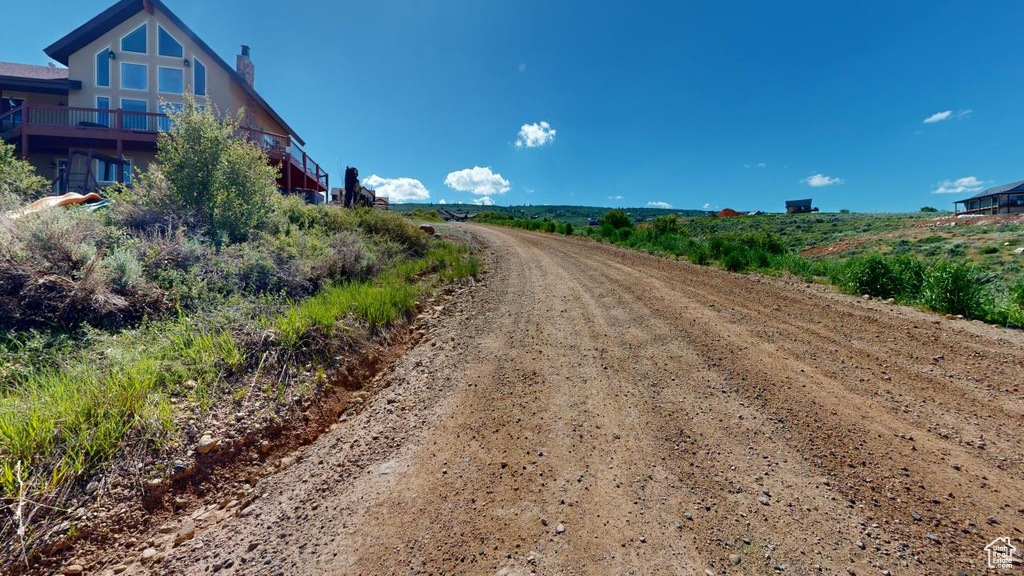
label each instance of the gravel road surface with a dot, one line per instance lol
(592, 410)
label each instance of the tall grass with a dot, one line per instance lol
(59, 419)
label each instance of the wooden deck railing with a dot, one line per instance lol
(72, 121)
(44, 115)
(279, 145)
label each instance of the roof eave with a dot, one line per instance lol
(41, 85)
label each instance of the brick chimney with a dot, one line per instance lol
(244, 67)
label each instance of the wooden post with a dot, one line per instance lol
(287, 165)
(24, 129)
(120, 156)
(305, 172)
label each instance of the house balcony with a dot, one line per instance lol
(55, 129)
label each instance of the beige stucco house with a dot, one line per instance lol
(93, 122)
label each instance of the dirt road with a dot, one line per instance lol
(590, 410)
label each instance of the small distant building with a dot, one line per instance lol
(449, 216)
(382, 202)
(799, 206)
(1005, 199)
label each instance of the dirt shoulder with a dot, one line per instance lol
(591, 410)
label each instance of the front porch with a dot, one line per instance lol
(38, 128)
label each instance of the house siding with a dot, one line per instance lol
(226, 96)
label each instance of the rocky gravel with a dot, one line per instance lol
(591, 410)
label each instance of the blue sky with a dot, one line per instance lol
(692, 104)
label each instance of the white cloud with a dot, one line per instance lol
(477, 180)
(484, 201)
(442, 201)
(535, 135)
(615, 197)
(819, 180)
(398, 190)
(659, 204)
(967, 185)
(965, 113)
(707, 205)
(758, 165)
(938, 117)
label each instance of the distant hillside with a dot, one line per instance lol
(577, 215)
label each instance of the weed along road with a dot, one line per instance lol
(591, 410)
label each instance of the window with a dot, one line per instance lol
(135, 117)
(106, 172)
(170, 80)
(103, 67)
(103, 118)
(167, 45)
(135, 41)
(62, 165)
(170, 109)
(198, 78)
(134, 76)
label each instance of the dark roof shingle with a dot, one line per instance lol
(1012, 187)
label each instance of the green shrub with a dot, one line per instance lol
(18, 180)
(616, 219)
(881, 276)
(989, 250)
(954, 287)
(734, 260)
(928, 209)
(1017, 294)
(697, 252)
(124, 269)
(226, 181)
(568, 231)
(668, 224)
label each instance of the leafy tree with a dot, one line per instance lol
(225, 180)
(617, 219)
(928, 209)
(18, 179)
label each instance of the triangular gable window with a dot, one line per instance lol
(167, 45)
(135, 41)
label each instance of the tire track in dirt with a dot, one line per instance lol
(670, 419)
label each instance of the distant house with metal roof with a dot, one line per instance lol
(1005, 199)
(799, 206)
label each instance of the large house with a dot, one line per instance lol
(1005, 199)
(91, 123)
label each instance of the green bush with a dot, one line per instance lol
(226, 181)
(568, 231)
(616, 219)
(1017, 294)
(881, 276)
(697, 252)
(18, 180)
(954, 287)
(734, 260)
(124, 269)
